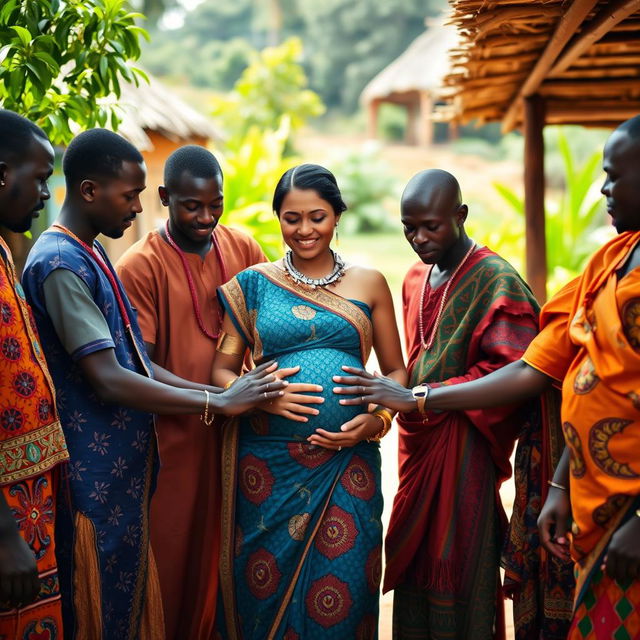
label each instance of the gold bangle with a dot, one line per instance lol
(230, 345)
(387, 418)
(208, 420)
(226, 386)
(555, 485)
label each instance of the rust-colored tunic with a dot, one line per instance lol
(185, 509)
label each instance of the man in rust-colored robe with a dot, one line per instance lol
(171, 276)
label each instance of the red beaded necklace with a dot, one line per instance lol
(192, 288)
(427, 344)
(100, 261)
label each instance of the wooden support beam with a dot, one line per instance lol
(612, 15)
(567, 25)
(534, 187)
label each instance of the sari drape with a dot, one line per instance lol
(301, 524)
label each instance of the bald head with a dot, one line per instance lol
(621, 165)
(631, 127)
(433, 189)
(433, 215)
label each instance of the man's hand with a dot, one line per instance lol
(362, 427)
(373, 389)
(251, 389)
(622, 561)
(553, 523)
(19, 582)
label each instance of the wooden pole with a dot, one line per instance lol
(372, 120)
(534, 187)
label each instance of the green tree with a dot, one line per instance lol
(272, 86)
(348, 42)
(61, 61)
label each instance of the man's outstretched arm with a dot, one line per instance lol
(511, 384)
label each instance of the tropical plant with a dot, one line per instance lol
(252, 167)
(272, 86)
(575, 224)
(60, 60)
(368, 187)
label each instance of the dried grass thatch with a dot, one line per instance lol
(582, 56)
(155, 107)
(422, 67)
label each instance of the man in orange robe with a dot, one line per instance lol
(171, 276)
(32, 444)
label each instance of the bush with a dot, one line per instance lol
(368, 187)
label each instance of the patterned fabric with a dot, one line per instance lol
(447, 522)
(541, 585)
(112, 449)
(31, 445)
(589, 342)
(31, 438)
(301, 524)
(609, 611)
(32, 502)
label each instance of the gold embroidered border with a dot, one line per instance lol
(230, 447)
(234, 295)
(51, 449)
(327, 300)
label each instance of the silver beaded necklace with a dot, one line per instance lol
(297, 277)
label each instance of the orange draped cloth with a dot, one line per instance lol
(591, 342)
(31, 448)
(185, 509)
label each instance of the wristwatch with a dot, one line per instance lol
(420, 394)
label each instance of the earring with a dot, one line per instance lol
(337, 237)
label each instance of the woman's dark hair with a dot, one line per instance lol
(309, 176)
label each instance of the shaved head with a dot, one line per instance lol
(621, 165)
(631, 127)
(433, 215)
(433, 188)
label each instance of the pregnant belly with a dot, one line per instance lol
(317, 366)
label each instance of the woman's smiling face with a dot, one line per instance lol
(307, 223)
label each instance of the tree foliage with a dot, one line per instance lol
(272, 86)
(346, 42)
(60, 61)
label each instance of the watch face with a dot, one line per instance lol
(420, 391)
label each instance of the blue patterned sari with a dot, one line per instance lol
(301, 524)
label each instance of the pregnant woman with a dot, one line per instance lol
(301, 526)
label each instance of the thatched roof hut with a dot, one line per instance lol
(414, 80)
(532, 63)
(157, 122)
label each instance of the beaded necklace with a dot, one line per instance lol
(427, 344)
(336, 273)
(104, 268)
(192, 288)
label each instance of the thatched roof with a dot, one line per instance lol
(581, 56)
(155, 107)
(422, 67)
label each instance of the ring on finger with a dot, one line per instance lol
(340, 448)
